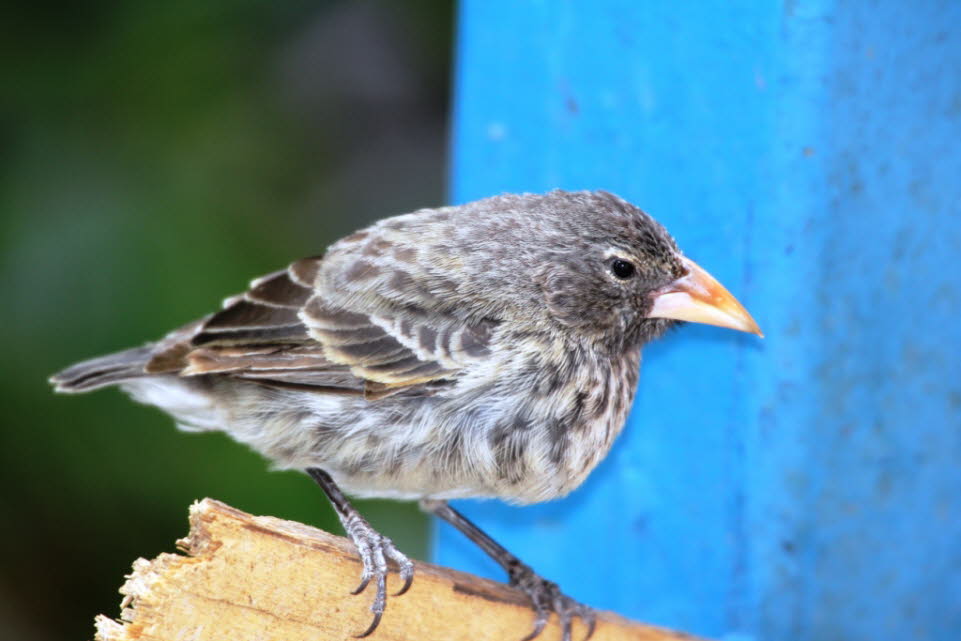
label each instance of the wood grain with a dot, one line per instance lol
(261, 578)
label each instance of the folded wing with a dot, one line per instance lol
(281, 332)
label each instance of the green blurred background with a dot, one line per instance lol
(153, 158)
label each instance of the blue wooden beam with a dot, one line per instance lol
(807, 154)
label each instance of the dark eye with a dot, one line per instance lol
(623, 269)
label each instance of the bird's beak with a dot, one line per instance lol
(697, 297)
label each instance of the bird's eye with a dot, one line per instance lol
(622, 269)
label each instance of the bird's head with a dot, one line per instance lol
(602, 267)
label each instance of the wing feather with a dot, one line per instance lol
(401, 351)
(278, 290)
(282, 332)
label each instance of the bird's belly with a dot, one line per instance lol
(520, 468)
(517, 447)
(492, 452)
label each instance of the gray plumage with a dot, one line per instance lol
(483, 350)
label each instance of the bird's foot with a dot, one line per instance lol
(546, 598)
(375, 549)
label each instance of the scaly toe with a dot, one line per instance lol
(546, 597)
(567, 608)
(406, 575)
(374, 550)
(404, 565)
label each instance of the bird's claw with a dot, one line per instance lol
(374, 550)
(546, 597)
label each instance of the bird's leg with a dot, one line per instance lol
(545, 595)
(373, 547)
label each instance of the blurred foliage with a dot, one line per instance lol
(153, 158)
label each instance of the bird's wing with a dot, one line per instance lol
(395, 352)
(281, 332)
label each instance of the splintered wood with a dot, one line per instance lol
(260, 578)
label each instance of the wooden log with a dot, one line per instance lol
(257, 577)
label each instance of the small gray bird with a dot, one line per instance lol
(486, 350)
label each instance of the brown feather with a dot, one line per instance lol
(278, 290)
(304, 271)
(280, 332)
(245, 314)
(283, 335)
(169, 354)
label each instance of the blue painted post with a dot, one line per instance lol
(807, 154)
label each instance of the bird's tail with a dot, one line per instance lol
(105, 370)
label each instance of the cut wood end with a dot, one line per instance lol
(246, 577)
(109, 630)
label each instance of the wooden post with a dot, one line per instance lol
(258, 577)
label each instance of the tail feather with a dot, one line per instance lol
(103, 371)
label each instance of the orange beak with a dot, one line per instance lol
(698, 298)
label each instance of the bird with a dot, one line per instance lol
(484, 350)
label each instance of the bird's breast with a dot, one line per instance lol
(556, 416)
